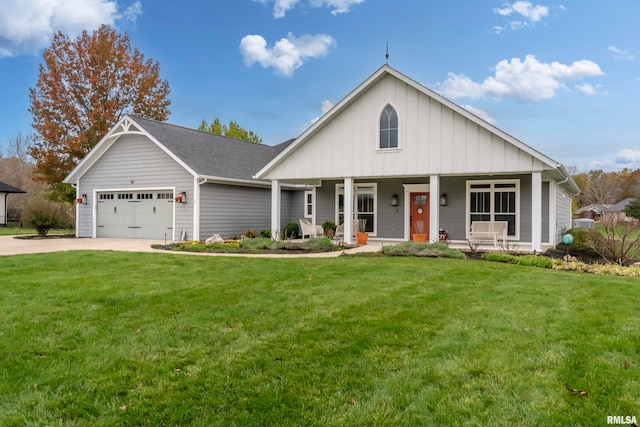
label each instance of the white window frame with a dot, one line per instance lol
(492, 213)
(356, 187)
(308, 195)
(380, 113)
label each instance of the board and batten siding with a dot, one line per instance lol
(134, 162)
(433, 139)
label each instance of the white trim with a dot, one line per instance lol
(469, 183)
(306, 205)
(434, 208)
(379, 149)
(124, 189)
(355, 204)
(408, 189)
(196, 209)
(276, 209)
(536, 211)
(348, 209)
(553, 213)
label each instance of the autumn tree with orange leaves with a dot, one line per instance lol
(84, 87)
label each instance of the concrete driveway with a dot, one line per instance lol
(11, 246)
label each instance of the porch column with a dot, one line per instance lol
(275, 209)
(348, 211)
(434, 207)
(536, 211)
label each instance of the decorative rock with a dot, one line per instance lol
(214, 239)
(636, 264)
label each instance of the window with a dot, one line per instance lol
(106, 196)
(144, 196)
(495, 201)
(364, 205)
(125, 196)
(308, 204)
(388, 128)
(165, 196)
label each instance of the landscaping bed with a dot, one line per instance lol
(256, 246)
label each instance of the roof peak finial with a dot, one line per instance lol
(387, 54)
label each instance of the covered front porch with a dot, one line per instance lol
(396, 208)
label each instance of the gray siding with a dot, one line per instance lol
(390, 219)
(230, 210)
(292, 207)
(563, 219)
(134, 162)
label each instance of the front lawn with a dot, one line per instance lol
(111, 338)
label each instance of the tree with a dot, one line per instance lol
(633, 209)
(84, 87)
(234, 130)
(599, 188)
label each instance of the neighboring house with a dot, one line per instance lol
(148, 179)
(5, 190)
(394, 152)
(592, 211)
(616, 212)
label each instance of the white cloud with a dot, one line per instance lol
(480, 113)
(621, 54)
(525, 9)
(520, 9)
(326, 106)
(629, 157)
(132, 12)
(288, 54)
(529, 80)
(281, 7)
(27, 26)
(589, 90)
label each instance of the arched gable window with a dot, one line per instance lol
(389, 128)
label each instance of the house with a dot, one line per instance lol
(153, 180)
(592, 211)
(617, 212)
(398, 154)
(5, 190)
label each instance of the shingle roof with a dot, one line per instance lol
(210, 154)
(6, 188)
(620, 206)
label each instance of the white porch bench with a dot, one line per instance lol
(493, 231)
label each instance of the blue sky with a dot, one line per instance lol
(562, 77)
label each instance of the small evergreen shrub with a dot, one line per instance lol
(581, 238)
(266, 234)
(320, 244)
(435, 250)
(291, 230)
(499, 257)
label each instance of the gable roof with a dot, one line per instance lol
(557, 169)
(620, 206)
(201, 153)
(6, 188)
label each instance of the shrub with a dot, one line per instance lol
(580, 240)
(291, 230)
(252, 233)
(320, 244)
(266, 234)
(260, 243)
(44, 215)
(436, 250)
(499, 257)
(534, 261)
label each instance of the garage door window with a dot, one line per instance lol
(105, 196)
(125, 196)
(165, 196)
(144, 196)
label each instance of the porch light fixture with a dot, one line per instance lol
(443, 200)
(394, 200)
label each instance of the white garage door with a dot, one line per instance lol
(135, 214)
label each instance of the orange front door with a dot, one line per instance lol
(419, 214)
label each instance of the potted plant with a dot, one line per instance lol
(329, 228)
(361, 235)
(443, 236)
(419, 235)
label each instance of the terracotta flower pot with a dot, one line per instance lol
(419, 237)
(362, 238)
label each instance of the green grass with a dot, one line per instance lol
(108, 338)
(13, 231)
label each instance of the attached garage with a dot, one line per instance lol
(144, 214)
